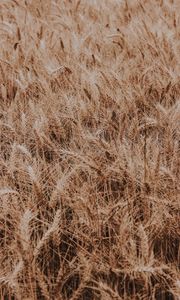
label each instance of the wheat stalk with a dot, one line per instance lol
(53, 228)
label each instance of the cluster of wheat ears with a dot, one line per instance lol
(89, 149)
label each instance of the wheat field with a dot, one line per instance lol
(90, 149)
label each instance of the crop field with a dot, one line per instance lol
(89, 149)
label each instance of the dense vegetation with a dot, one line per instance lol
(90, 148)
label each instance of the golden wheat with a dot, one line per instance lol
(90, 147)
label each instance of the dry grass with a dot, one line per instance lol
(90, 148)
